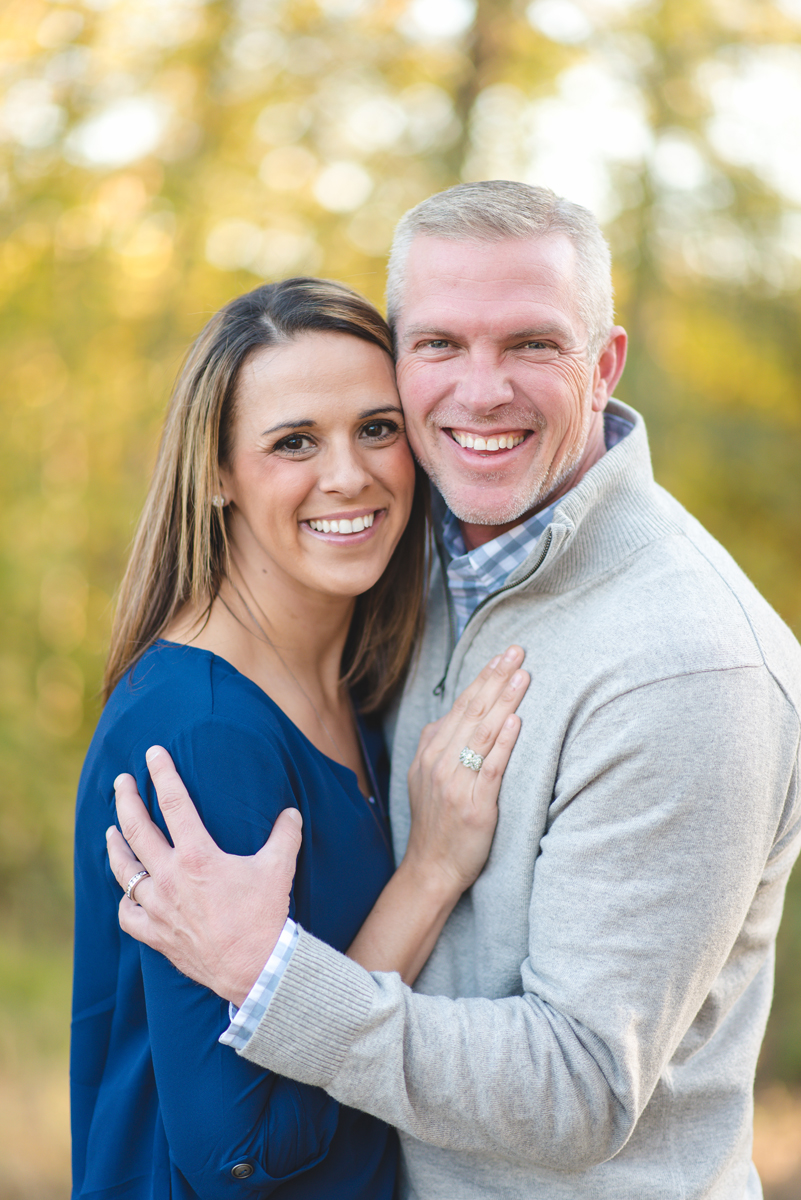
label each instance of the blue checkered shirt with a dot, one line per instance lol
(246, 1019)
(472, 575)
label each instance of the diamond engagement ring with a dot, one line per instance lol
(469, 758)
(132, 882)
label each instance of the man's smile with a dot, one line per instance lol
(505, 440)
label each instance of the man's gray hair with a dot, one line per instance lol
(495, 209)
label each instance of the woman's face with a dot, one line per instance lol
(321, 477)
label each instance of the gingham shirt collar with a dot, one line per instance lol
(474, 575)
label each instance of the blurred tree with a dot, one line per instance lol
(159, 156)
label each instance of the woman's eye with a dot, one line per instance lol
(379, 430)
(295, 443)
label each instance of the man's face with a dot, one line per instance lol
(491, 347)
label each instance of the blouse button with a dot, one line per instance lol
(242, 1171)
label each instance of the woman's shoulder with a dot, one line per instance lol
(184, 683)
(228, 740)
(174, 692)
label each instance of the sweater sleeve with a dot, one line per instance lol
(220, 1111)
(661, 863)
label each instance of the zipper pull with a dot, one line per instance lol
(440, 688)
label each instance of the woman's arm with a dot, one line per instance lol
(454, 812)
(217, 1116)
(196, 890)
(218, 1110)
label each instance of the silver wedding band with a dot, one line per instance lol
(468, 758)
(132, 882)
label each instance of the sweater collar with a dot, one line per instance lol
(608, 515)
(611, 513)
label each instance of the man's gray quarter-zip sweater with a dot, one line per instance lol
(588, 1023)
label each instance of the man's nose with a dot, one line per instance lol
(484, 383)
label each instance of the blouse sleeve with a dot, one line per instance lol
(221, 1112)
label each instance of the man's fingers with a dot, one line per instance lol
(145, 839)
(180, 815)
(281, 849)
(135, 921)
(124, 864)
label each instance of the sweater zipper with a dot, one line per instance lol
(440, 688)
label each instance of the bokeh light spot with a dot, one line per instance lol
(125, 131)
(342, 187)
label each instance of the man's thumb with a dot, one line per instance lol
(282, 846)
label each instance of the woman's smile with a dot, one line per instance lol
(320, 478)
(342, 528)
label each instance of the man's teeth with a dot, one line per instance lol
(503, 441)
(344, 524)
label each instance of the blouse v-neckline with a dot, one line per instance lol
(373, 802)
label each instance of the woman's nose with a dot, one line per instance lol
(344, 471)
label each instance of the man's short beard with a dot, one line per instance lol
(533, 494)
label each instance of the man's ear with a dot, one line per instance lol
(609, 368)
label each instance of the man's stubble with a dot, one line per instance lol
(531, 494)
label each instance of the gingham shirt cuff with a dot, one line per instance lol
(245, 1021)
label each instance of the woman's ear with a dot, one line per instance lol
(225, 489)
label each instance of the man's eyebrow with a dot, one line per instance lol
(429, 331)
(308, 423)
(540, 331)
(550, 329)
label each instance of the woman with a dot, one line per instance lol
(267, 616)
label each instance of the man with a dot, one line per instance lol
(589, 1022)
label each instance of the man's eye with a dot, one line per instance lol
(536, 346)
(436, 344)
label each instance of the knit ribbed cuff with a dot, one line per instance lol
(318, 1009)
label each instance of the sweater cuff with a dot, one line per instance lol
(319, 1008)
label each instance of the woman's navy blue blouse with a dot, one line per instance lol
(160, 1109)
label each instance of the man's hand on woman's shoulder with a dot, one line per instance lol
(216, 916)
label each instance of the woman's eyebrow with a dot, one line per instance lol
(304, 423)
(376, 412)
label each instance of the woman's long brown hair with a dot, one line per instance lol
(180, 550)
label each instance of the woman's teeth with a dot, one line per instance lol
(344, 524)
(503, 441)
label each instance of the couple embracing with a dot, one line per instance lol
(579, 866)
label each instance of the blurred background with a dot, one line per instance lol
(157, 157)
